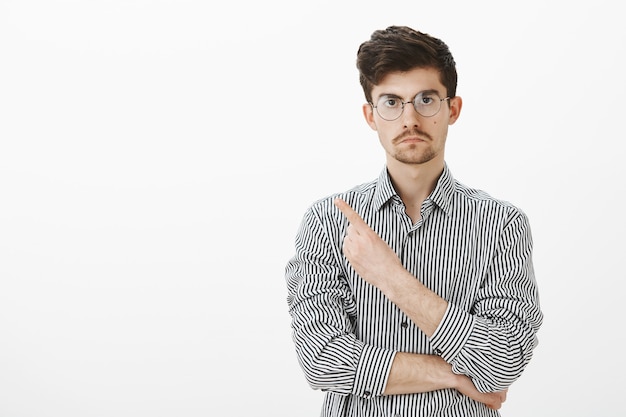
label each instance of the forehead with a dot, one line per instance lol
(407, 84)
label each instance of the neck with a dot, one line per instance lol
(414, 182)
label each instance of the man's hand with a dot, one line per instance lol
(492, 400)
(369, 255)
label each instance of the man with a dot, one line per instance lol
(412, 295)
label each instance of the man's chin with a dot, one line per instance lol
(414, 159)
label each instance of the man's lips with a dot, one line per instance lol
(413, 137)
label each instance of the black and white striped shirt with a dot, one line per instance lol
(471, 249)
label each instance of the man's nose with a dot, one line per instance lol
(410, 116)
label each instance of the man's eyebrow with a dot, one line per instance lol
(431, 91)
(425, 92)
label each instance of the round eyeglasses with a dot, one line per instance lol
(426, 103)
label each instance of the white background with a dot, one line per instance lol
(156, 158)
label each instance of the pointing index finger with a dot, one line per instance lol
(352, 216)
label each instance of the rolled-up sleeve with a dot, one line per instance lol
(323, 311)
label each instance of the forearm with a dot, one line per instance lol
(423, 306)
(413, 373)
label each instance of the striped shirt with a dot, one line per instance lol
(469, 248)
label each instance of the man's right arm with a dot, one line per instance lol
(323, 309)
(412, 373)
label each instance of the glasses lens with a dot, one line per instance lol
(389, 107)
(427, 104)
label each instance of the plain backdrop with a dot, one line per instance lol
(156, 158)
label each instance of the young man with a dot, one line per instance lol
(412, 295)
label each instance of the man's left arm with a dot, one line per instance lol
(494, 342)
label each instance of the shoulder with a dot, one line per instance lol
(480, 200)
(324, 211)
(357, 196)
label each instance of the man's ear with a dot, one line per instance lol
(368, 112)
(456, 103)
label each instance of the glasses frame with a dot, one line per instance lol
(407, 102)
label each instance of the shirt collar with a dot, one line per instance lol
(442, 195)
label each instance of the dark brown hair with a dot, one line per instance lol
(400, 49)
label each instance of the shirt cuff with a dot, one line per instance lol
(452, 333)
(372, 371)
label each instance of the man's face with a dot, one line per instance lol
(412, 138)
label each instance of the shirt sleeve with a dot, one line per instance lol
(322, 311)
(493, 343)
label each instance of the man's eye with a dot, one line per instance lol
(391, 102)
(426, 100)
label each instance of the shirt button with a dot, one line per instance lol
(404, 324)
(438, 352)
(367, 393)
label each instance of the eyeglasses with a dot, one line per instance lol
(426, 103)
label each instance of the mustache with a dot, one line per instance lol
(412, 132)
